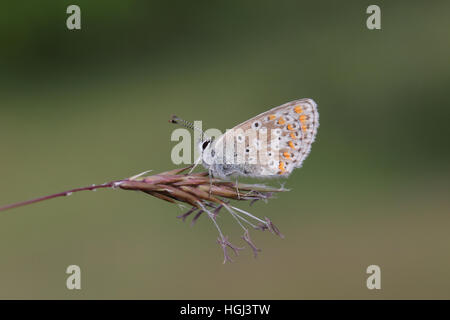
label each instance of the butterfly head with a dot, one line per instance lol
(204, 144)
(207, 149)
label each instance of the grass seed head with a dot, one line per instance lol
(209, 195)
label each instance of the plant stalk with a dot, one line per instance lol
(59, 194)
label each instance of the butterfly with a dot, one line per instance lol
(271, 144)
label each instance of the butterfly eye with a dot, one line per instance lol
(256, 125)
(205, 144)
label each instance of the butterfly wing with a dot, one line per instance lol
(284, 134)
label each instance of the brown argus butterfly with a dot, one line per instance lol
(272, 144)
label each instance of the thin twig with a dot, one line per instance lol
(198, 190)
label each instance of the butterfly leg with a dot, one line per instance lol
(237, 189)
(210, 181)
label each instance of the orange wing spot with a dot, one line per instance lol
(291, 144)
(281, 167)
(281, 121)
(298, 109)
(302, 118)
(304, 127)
(287, 155)
(293, 135)
(272, 116)
(290, 127)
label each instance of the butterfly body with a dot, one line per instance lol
(271, 144)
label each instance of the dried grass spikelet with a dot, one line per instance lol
(205, 194)
(208, 195)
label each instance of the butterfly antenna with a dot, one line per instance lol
(191, 126)
(186, 124)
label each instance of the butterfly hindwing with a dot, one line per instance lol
(272, 143)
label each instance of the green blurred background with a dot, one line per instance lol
(90, 106)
